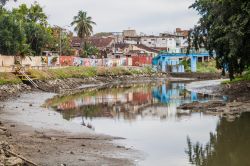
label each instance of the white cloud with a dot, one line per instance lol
(115, 15)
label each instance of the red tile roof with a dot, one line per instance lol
(101, 42)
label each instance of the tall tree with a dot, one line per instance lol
(58, 33)
(24, 30)
(34, 21)
(224, 27)
(83, 25)
(12, 36)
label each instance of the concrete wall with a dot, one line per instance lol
(6, 60)
(7, 63)
(32, 61)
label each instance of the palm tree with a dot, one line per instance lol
(83, 26)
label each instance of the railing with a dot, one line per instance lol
(28, 78)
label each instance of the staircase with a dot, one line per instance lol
(26, 77)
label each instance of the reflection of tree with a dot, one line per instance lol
(230, 146)
(87, 112)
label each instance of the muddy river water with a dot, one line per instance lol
(147, 116)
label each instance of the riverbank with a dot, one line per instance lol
(42, 136)
(237, 98)
(34, 131)
(70, 79)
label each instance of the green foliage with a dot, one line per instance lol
(9, 78)
(224, 27)
(186, 64)
(57, 34)
(89, 49)
(12, 37)
(23, 31)
(37, 37)
(83, 25)
(244, 77)
(40, 74)
(207, 67)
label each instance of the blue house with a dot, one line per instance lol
(170, 62)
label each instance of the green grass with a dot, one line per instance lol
(207, 67)
(84, 72)
(244, 77)
(202, 67)
(9, 78)
(74, 72)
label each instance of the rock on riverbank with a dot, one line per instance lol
(12, 90)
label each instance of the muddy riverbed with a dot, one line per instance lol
(45, 138)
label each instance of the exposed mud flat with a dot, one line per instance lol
(198, 76)
(237, 98)
(44, 138)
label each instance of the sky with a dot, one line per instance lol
(146, 16)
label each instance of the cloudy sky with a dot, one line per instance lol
(147, 16)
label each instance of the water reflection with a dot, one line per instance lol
(228, 146)
(146, 115)
(128, 103)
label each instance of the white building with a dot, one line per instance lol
(164, 42)
(173, 43)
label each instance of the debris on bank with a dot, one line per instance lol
(230, 110)
(8, 155)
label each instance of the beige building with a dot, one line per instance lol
(129, 33)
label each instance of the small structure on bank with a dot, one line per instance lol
(171, 62)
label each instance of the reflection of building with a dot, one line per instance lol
(130, 103)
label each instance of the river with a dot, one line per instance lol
(147, 116)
